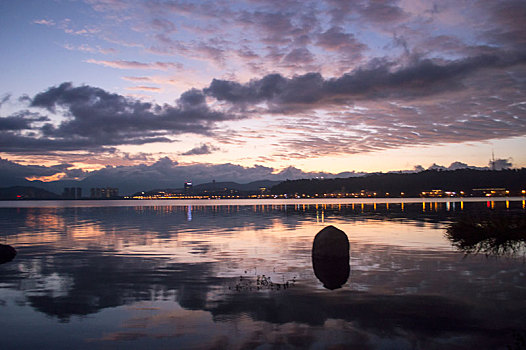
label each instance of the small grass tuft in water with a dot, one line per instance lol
(261, 282)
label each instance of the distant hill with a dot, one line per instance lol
(410, 184)
(26, 192)
(219, 187)
(251, 186)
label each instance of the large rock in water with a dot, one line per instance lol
(331, 243)
(330, 257)
(7, 253)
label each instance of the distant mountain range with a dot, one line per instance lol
(394, 183)
(166, 173)
(26, 192)
(128, 186)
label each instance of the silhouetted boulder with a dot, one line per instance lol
(330, 257)
(7, 253)
(331, 243)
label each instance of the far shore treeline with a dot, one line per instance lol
(412, 184)
(463, 182)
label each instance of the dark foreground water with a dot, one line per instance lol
(241, 277)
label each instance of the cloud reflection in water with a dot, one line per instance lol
(153, 269)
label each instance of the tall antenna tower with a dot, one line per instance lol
(492, 159)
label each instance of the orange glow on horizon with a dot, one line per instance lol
(54, 177)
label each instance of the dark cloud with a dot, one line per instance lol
(420, 103)
(274, 88)
(22, 120)
(255, 91)
(96, 118)
(199, 150)
(378, 80)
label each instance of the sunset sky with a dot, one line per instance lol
(322, 86)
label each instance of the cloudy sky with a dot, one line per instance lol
(323, 86)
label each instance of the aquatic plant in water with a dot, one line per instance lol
(499, 234)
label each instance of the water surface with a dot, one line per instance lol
(186, 275)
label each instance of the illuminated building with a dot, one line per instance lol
(188, 187)
(490, 192)
(438, 193)
(72, 193)
(107, 192)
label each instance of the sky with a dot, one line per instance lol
(300, 88)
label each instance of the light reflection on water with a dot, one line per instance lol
(186, 276)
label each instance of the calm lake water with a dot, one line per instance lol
(239, 275)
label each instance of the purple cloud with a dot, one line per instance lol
(97, 118)
(200, 150)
